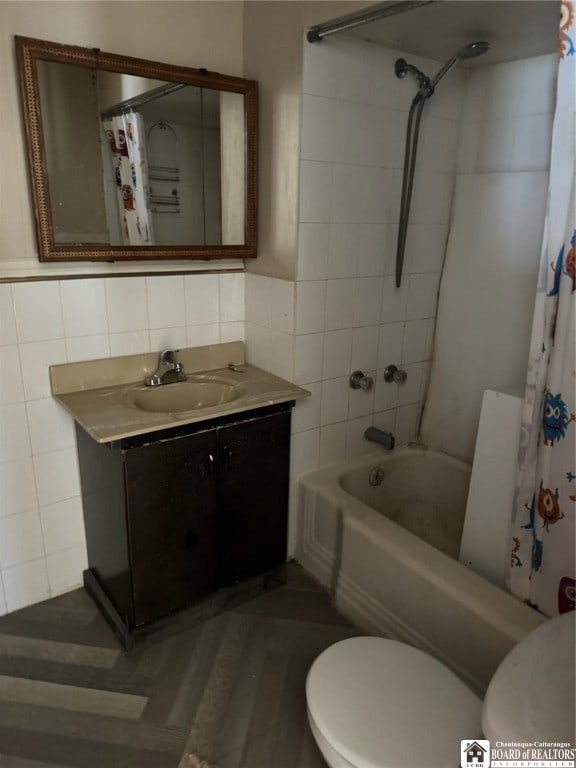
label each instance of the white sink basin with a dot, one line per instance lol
(188, 395)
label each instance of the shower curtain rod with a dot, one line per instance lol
(358, 18)
(142, 98)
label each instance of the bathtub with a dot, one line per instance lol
(388, 553)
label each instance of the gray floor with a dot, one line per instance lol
(226, 694)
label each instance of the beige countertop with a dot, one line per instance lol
(101, 395)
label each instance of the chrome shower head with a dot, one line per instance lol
(472, 50)
(469, 51)
(427, 85)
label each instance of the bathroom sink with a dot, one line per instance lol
(183, 396)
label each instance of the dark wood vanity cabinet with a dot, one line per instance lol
(176, 516)
(171, 516)
(252, 497)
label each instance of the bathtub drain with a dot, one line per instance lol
(376, 476)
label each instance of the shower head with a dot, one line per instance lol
(469, 51)
(472, 50)
(426, 86)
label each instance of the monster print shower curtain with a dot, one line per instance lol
(543, 534)
(126, 143)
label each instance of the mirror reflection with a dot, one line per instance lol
(136, 160)
(133, 161)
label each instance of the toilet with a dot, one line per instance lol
(379, 703)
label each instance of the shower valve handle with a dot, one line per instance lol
(359, 381)
(393, 373)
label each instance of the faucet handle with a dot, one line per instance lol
(359, 381)
(393, 373)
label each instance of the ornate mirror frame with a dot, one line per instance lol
(29, 51)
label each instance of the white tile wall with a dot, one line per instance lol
(8, 333)
(63, 566)
(20, 538)
(202, 299)
(15, 443)
(36, 359)
(281, 354)
(310, 306)
(348, 312)
(38, 308)
(335, 395)
(340, 296)
(62, 525)
(308, 358)
(27, 583)
(315, 191)
(493, 249)
(42, 547)
(50, 427)
(313, 242)
(337, 353)
(305, 451)
(507, 117)
(332, 443)
(11, 385)
(88, 347)
(129, 343)
(126, 303)
(84, 307)
(173, 336)
(166, 303)
(17, 487)
(270, 312)
(365, 348)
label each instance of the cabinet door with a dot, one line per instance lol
(170, 487)
(253, 460)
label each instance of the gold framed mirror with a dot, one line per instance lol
(136, 160)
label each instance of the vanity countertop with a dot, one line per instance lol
(101, 394)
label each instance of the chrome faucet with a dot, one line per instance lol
(168, 371)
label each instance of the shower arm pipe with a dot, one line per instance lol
(359, 18)
(411, 149)
(444, 71)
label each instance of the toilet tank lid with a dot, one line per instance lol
(531, 695)
(381, 703)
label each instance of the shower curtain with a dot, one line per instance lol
(125, 137)
(543, 533)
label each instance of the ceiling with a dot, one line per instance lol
(515, 29)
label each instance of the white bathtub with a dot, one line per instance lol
(388, 554)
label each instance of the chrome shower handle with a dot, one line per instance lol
(393, 373)
(359, 381)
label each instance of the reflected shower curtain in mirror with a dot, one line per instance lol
(126, 142)
(542, 557)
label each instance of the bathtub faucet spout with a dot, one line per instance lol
(376, 435)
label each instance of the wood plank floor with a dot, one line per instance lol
(225, 694)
